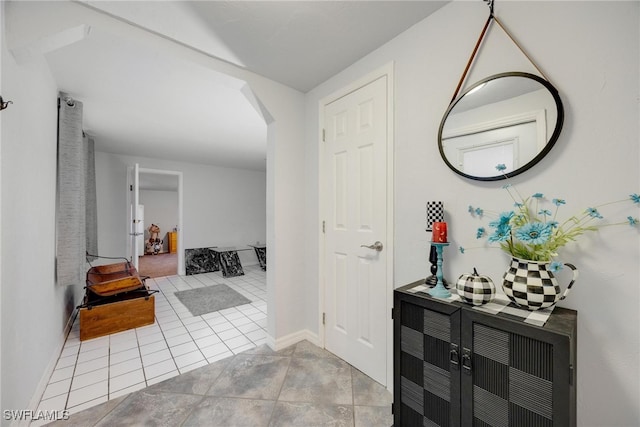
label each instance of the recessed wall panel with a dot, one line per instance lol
(363, 303)
(365, 184)
(365, 115)
(340, 125)
(340, 282)
(340, 190)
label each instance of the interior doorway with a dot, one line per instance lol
(356, 262)
(155, 200)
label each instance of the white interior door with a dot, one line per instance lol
(354, 171)
(140, 230)
(134, 201)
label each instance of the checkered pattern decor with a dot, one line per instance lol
(456, 364)
(435, 213)
(500, 304)
(512, 374)
(425, 370)
(476, 290)
(512, 379)
(531, 285)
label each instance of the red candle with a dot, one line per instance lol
(439, 232)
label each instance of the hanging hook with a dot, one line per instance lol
(4, 104)
(490, 4)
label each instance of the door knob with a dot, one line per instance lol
(377, 246)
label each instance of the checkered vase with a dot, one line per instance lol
(530, 284)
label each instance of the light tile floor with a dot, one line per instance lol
(94, 371)
(299, 386)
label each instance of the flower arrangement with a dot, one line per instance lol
(532, 231)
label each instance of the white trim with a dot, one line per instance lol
(386, 70)
(537, 116)
(291, 339)
(181, 268)
(51, 366)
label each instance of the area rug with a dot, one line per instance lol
(208, 299)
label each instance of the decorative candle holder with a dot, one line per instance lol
(435, 213)
(439, 291)
(433, 259)
(439, 232)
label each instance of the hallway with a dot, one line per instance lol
(213, 370)
(94, 371)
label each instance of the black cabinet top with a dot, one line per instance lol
(561, 320)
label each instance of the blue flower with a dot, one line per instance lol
(593, 212)
(535, 233)
(555, 266)
(500, 167)
(504, 219)
(501, 234)
(530, 229)
(461, 249)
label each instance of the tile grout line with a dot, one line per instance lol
(241, 284)
(191, 336)
(281, 387)
(66, 401)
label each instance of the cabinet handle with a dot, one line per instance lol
(466, 360)
(454, 357)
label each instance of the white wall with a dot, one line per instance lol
(221, 206)
(34, 309)
(2, 31)
(27, 345)
(590, 52)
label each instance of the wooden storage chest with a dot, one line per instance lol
(116, 314)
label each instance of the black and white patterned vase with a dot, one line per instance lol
(532, 285)
(475, 289)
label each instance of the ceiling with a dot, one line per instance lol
(146, 103)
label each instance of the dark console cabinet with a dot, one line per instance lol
(458, 366)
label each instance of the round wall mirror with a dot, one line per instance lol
(510, 118)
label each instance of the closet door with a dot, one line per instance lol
(514, 374)
(427, 377)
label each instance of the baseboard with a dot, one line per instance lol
(291, 339)
(51, 366)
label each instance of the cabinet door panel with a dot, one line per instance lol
(511, 380)
(426, 378)
(455, 365)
